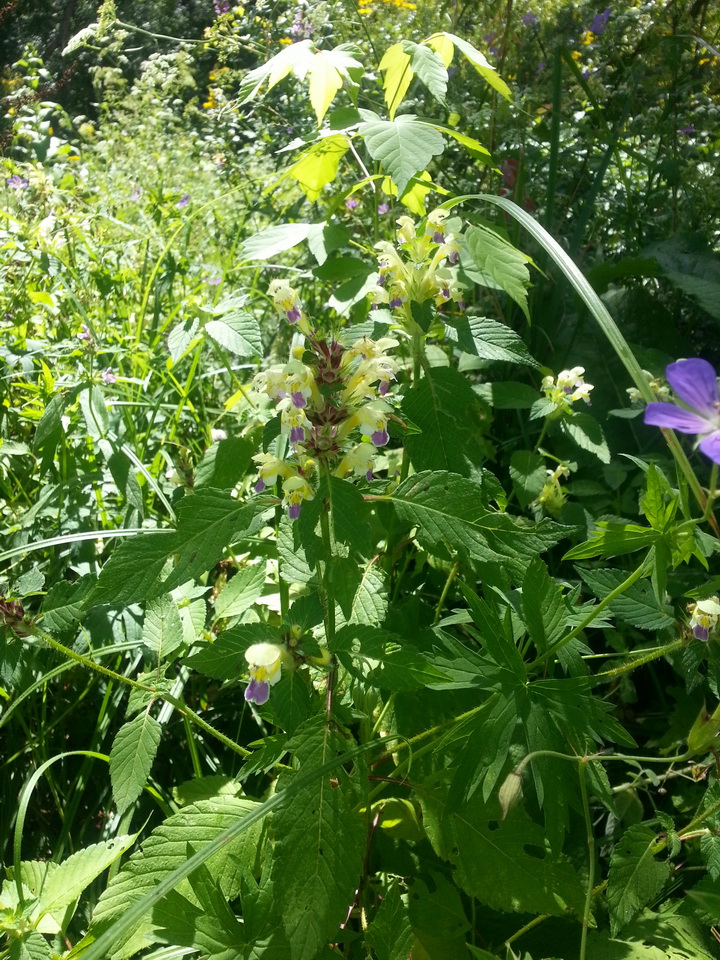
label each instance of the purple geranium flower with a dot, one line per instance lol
(383, 208)
(183, 201)
(351, 203)
(600, 22)
(530, 19)
(16, 182)
(695, 383)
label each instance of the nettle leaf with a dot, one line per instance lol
(238, 332)
(489, 340)
(370, 602)
(587, 434)
(65, 603)
(318, 165)
(349, 513)
(491, 261)
(450, 515)
(319, 845)
(528, 474)
(162, 628)
(132, 573)
(224, 658)
(635, 877)
(637, 606)
(613, 540)
(30, 946)
(382, 659)
(224, 463)
(390, 935)
(65, 884)
(403, 146)
(240, 593)
(452, 419)
(543, 606)
(131, 757)
(492, 862)
(182, 338)
(166, 849)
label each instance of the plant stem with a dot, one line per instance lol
(591, 860)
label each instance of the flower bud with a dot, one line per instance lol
(510, 793)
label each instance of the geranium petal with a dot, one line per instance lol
(710, 446)
(695, 382)
(668, 415)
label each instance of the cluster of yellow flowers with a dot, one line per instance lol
(365, 7)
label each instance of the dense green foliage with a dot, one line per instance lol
(352, 602)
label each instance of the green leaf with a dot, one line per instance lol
(205, 788)
(318, 165)
(131, 757)
(452, 420)
(49, 428)
(291, 700)
(390, 935)
(710, 851)
(491, 261)
(166, 850)
(133, 570)
(370, 602)
(654, 503)
(65, 884)
(402, 146)
(382, 659)
(271, 241)
(30, 946)
(428, 66)
(224, 658)
(635, 877)
(489, 340)
(319, 846)
(587, 434)
(613, 540)
(182, 338)
(240, 593)
(224, 463)
(507, 395)
(162, 628)
(637, 606)
(543, 606)
(349, 514)
(528, 474)
(238, 332)
(92, 404)
(492, 862)
(65, 604)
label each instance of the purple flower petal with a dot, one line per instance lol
(668, 415)
(700, 633)
(293, 315)
(294, 511)
(710, 446)
(438, 237)
(260, 485)
(396, 302)
(257, 692)
(695, 382)
(298, 399)
(297, 434)
(380, 438)
(368, 476)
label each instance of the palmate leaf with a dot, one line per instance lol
(382, 659)
(319, 846)
(491, 858)
(451, 518)
(403, 146)
(635, 877)
(131, 758)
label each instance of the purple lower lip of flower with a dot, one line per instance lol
(294, 511)
(108, 376)
(446, 292)
(260, 485)
(257, 692)
(461, 304)
(380, 438)
(438, 237)
(383, 387)
(298, 399)
(382, 280)
(396, 302)
(368, 476)
(700, 633)
(453, 257)
(375, 306)
(293, 315)
(297, 434)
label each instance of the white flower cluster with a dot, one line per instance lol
(568, 389)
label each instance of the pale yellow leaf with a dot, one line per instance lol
(318, 166)
(442, 45)
(395, 64)
(325, 81)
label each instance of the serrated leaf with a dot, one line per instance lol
(92, 404)
(370, 602)
(237, 332)
(131, 757)
(132, 572)
(319, 847)
(30, 946)
(543, 606)
(402, 146)
(166, 849)
(637, 606)
(451, 419)
(205, 788)
(390, 935)
(382, 659)
(488, 339)
(428, 67)
(587, 434)
(318, 165)
(613, 540)
(528, 474)
(72, 876)
(65, 604)
(635, 877)
(162, 627)
(710, 850)
(182, 337)
(224, 463)
(489, 260)
(291, 700)
(224, 658)
(240, 593)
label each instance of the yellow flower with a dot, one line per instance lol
(576, 55)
